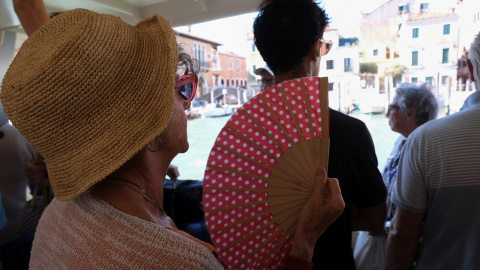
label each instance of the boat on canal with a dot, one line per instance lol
(216, 110)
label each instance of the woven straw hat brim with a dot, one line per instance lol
(89, 91)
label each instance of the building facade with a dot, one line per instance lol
(341, 66)
(206, 53)
(254, 61)
(428, 46)
(233, 70)
(420, 41)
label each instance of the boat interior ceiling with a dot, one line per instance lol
(177, 12)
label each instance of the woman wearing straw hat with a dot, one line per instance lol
(104, 103)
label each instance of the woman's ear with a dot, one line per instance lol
(470, 69)
(315, 52)
(411, 113)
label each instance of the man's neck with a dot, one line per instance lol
(302, 70)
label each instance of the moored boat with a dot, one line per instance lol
(216, 110)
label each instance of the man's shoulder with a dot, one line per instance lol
(341, 119)
(461, 121)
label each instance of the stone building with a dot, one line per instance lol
(428, 45)
(233, 69)
(419, 41)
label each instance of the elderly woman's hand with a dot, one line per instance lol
(323, 207)
(31, 13)
(173, 172)
(36, 172)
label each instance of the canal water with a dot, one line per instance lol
(202, 133)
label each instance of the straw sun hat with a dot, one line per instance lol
(89, 91)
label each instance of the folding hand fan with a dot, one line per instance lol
(260, 172)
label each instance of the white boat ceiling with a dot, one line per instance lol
(177, 12)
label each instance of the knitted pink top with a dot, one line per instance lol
(88, 233)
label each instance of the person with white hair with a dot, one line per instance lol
(436, 222)
(412, 106)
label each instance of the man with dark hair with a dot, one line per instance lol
(289, 36)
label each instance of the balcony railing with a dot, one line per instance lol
(205, 66)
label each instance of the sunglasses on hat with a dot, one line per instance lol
(186, 86)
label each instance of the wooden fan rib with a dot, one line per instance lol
(263, 244)
(243, 221)
(307, 103)
(287, 174)
(323, 83)
(297, 161)
(238, 172)
(276, 208)
(252, 233)
(230, 207)
(286, 213)
(308, 163)
(252, 143)
(311, 153)
(320, 145)
(264, 131)
(284, 217)
(282, 241)
(277, 182)
(292, 115)
(261, 190)
(315, 146)
(291, 226)
(288, 194)
(244, 157)
(325, 111)
(277, 201)
(300, 175)
(283, 189)
(277, 121)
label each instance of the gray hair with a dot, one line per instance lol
(418, 98)
(474, 56)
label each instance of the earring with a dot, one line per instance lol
(160, 147)
(318, 51)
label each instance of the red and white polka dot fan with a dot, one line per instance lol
(260, 172)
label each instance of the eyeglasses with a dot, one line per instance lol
(187, 86)
(326, 45)
(392, 106)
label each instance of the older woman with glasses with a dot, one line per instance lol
(104, 103)
(411, 107)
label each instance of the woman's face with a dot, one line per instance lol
(174, 137)
(396, 118)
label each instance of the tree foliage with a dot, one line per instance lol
(368, 68)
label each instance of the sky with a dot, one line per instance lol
(231, 31)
